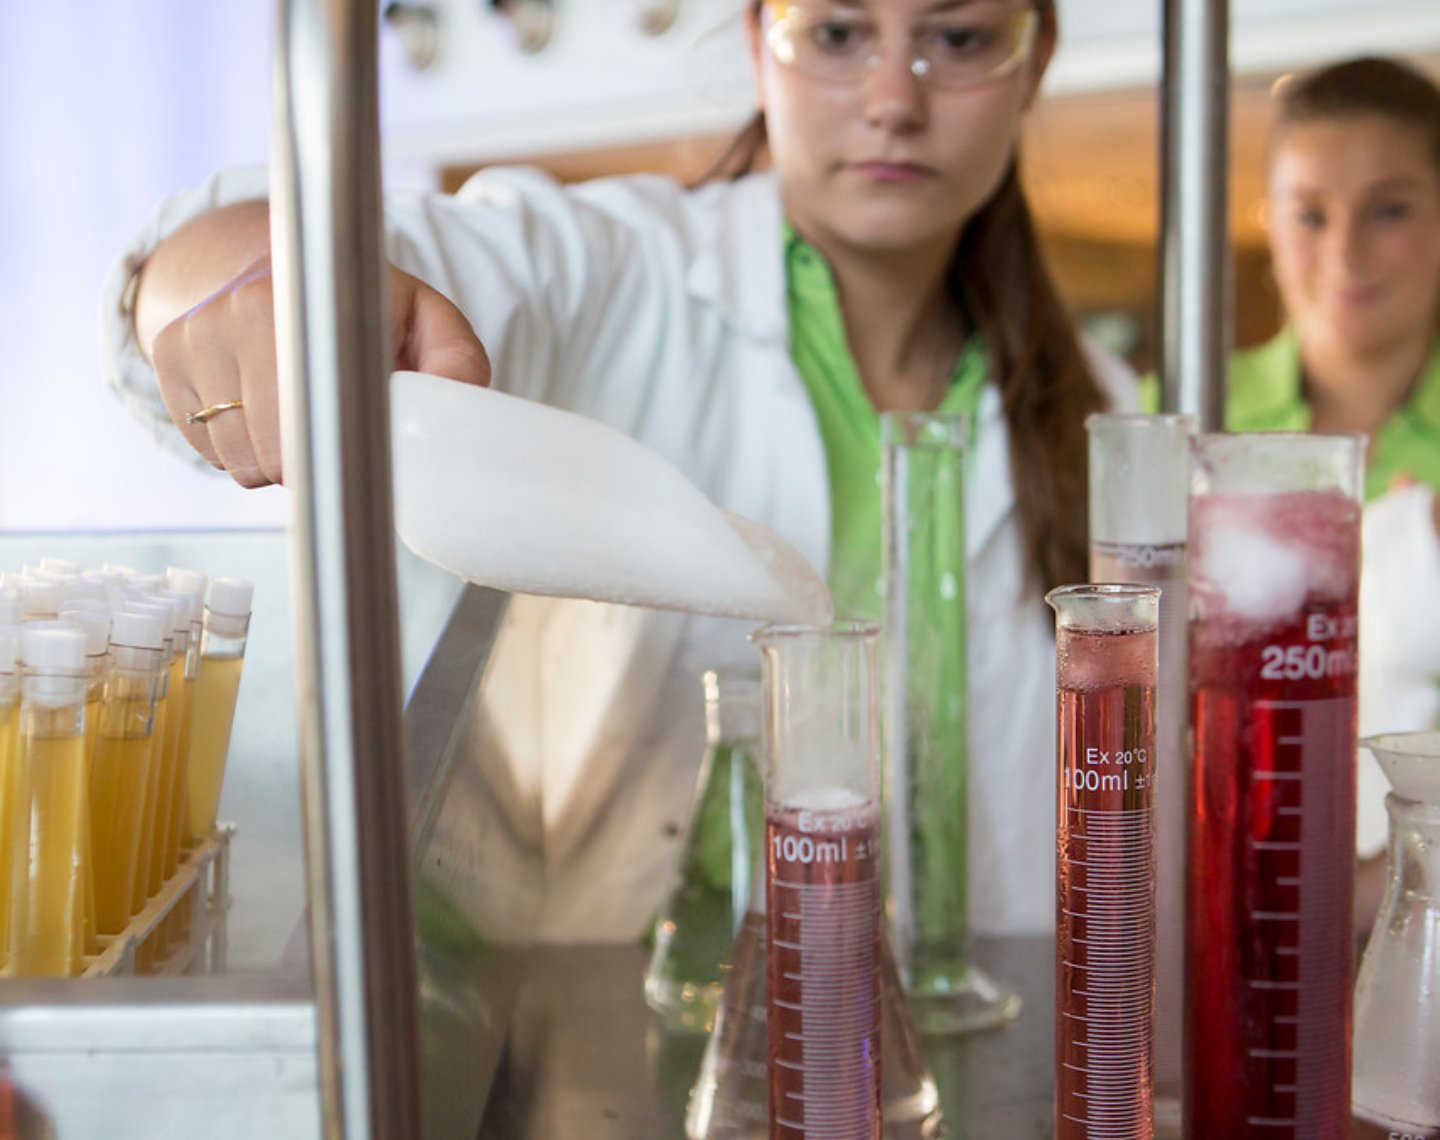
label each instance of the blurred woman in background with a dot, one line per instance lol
(1353, 193)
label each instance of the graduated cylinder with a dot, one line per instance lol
(1107, 662)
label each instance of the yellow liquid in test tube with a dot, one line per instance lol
(177, 781)
(117, 802)
(150, 810)
(216, 690)
(14, 824)
(168, 755)
(50, 941)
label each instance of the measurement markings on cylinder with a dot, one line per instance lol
(1297, 991)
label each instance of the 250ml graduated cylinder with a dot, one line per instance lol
(1106, 669)
(1274, 547)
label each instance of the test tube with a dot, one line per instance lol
(47, 936)
(1139, 484)
(1274, 545)
(821, 734)
(95, 624)
(222, 656)
(1106, 666)
(14, 829)
(122, 764)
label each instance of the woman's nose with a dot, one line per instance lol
(1347, 245)
(896, 97)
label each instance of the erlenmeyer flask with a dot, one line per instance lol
(730, 1098)
(1395, 1090)
(696, 928)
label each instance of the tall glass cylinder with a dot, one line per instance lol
(822, 882)
(926, 724)
(1106, 667)
(1274, 545)
(1139, 485)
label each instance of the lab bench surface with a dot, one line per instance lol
(584, 1056)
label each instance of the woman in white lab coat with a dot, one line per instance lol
(886, 261)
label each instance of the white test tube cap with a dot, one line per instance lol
(60, 567)
(227, 606)
(10, 610)
(1139, 477)
(229, 596)
(133, 629)
(9, 647)
(185, 581)
(54, 657)
(39, 598)
(95, 626)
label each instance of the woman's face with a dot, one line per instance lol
(1355, 232)
(889, 162)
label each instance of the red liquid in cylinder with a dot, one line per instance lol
(1105, 901)
(823, 963)
(1273, 844)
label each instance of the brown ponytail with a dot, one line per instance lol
(1046, 387)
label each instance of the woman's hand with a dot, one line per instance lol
(222, 350)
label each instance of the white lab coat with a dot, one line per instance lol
(662, 312)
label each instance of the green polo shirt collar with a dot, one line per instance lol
(1265, 394)
(850, 425)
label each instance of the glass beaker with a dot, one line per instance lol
(1106, 668)
(1274, 548)
(696, 929)
(1139, 481)
(1396, 1085)
(927, 753)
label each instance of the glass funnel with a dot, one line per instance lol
(1396, 1083)
(927, 752)
(697, 927)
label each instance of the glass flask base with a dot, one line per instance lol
(730, 1097)
(966, 1003)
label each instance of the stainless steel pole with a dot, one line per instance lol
(332, 329)
(1196, 333)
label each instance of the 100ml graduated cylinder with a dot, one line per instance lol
(822, 882)
(1106, 647)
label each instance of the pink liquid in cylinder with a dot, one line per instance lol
(823, 962)
(1272, 674)
(1105, 904)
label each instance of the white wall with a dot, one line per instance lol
(103, 108)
